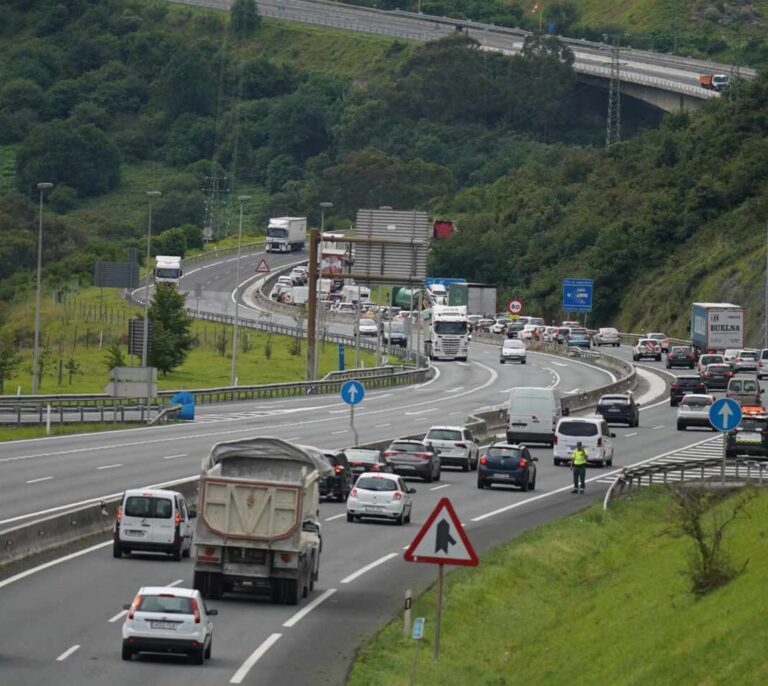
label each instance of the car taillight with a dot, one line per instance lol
(178, 518)
(461, 445)
(522, 463)
(675, 385)
(483, 460)
(353, 493)
(599, 442)
(196, 610)
(423, 456)
(707, 373)
(375, 468)
(389, 453)
(119, 513)
(134, 606)
(338, 469)
(397, 495)
(691, 356)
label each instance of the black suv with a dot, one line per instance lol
(681, 356)
(684, 385)
(619, 407)
(749, 438)
(339, 483)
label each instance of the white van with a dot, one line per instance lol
(153, 520)
(594, 435)
(532, 415)
(300, 295)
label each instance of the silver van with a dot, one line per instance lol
(532, 415)
(153, 520)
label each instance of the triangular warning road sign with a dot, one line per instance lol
(442, 540)
(263, 267)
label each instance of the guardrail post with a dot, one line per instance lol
(702, 472)
(666, 472)
(737, 468)
(760, 476)
(682, 474)
(749, 471)
(650, 478)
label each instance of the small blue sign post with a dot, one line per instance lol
(352, 392)
(724, 416)
(418, 634)
(341, 357)
(577, 295)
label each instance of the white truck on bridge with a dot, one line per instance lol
(286, 234)
(257, 525)
(448, 336)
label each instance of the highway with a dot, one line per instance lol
(363, 576)
(667, 72)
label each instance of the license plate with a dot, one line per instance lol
(163, 625)
(373, 508)
(405, 466)
(748, 436)
(133, 532)
(519, 424)
(614, 409)
(502, 476)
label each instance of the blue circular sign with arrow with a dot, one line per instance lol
(725, 414)
(352, 392)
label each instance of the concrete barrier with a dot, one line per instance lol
(27, 539)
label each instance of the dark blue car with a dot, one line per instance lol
(507, 463)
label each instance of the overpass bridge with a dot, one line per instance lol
(667, 82)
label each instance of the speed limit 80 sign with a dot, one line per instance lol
(515, 306)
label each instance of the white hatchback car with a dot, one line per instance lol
(167, 619)
(380, 496)
(607, 336)
(512, 350)
(367, 327)
(693, 410)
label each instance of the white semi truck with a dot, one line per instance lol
(168, 269)
(286, 234)
(448, 337)
(257, 523)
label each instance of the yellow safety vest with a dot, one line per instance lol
(579, 457)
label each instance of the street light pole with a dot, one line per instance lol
(323, 207)
(42, 187)
(145, 332)
(233, 372)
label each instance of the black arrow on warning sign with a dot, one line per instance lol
(444, 538)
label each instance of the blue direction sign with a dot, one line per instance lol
(352, 392)
(418, 627)
(725, 414)
(577, 295)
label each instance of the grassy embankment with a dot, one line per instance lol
(596, 598)
(68, 333)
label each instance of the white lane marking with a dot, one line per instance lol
(368, 568)
(555, 374)
(343, 431)
(560, 364)
(585, 364)
(338, 516)
(463, 364)
(337, 411)
(520, 503)
(173, 457)
(431, 409)
(660, 426)
(382, 426)
(53, 563)
(118, 616)
(454, 390)
(630, 435)
(111, 466)
(67, 653)
(575, 390)
(437, 488)
(37, 481)
(176, 583)
(293, 438)
(253, 658)
(306, 610)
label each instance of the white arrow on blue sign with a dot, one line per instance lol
(725, 414)
(352, 392)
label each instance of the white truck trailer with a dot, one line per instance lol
(168, 269)
(286, 234)
(448, 337)
(257, 523)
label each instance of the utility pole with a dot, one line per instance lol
(233, 371)
(765, 304)
(145, 332)
(314, 242)
(42, 187)
(613, 120)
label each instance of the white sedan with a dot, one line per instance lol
(367, 327)
(380, 496)
(647, 348)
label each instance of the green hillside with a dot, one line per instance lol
(595, 598)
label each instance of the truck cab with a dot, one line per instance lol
(168, 269)
(448, 333)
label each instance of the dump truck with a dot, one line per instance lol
(713, 82)
(257, 526)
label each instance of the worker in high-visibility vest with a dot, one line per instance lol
(579, 467)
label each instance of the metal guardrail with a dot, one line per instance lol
(737, 469)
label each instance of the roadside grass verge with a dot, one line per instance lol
(75, 332)
(13, 433)
(595, 598)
